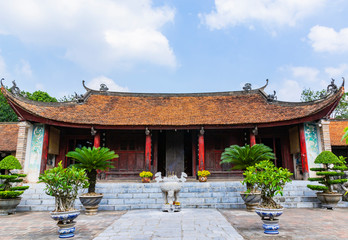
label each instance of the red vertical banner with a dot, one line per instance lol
(147, 150)
(252, 138)
(44, 150)
(303, 149)
(97, 140)
(201, 150)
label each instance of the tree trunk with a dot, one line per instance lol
(92, 176)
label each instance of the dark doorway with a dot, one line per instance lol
(174, 153)
(274, 143)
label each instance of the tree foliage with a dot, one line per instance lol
(92, 159)
(63, 184)
(341, 110)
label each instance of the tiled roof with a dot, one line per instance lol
(8, 136)
(336, 132)
(132, 109)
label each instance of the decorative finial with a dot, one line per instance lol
(79, 98)
(247, 87)
(103, 87)
(201, 131)
(93, 131)
(272, 97)
(2, 79)
(14, 89)
(331, 88)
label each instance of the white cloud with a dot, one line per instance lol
(339, 71)
(96, 34)
(325, 39)
(24, 69)
(39, 86)
(306, 73)
(3, 68)
(229, 13)
(290, 91)
(95, 84)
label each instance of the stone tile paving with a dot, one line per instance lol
(189, 224)
(39, 225)
(303, 224)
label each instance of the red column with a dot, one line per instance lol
(201, 150)
(305, 169)
(97, 140)
(252, 138)
(44, 150)
(147, 150)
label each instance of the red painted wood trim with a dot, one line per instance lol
(148, 152)
(252, 138)
(303, 149)
(44, 150)
(97, 140)
(201, 152)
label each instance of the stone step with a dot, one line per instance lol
(125, 196)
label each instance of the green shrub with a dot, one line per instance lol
(63, 184)
(7, 190)
(10, 194)
(331, 173)
(270, 179)
(10, 163)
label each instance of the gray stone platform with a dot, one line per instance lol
(189, 224)
(127, 196)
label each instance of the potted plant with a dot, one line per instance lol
(145, 176)
(203, 175)
(243, 157)
(9, 195)
(91, 160)
(332, 166)
(271, 181)
(63, 184)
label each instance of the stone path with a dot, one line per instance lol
(189, 224)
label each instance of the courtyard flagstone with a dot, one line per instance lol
(154, 224)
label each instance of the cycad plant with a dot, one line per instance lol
(246, 156)
(332, 167)
(92, 159)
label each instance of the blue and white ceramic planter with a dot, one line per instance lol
(65, 222)
(270, 220)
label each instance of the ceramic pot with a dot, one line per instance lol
(65, 222)
(145, 180)
(269, 219)
(329, 200)
(251, 200)
(202, 179)
(91, 203)
(8, 206)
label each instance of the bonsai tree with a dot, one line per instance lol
(246, 156)
(7, 191)
(332, 167)
(270, 179)
(91, 160)
(63, 184)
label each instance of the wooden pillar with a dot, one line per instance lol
(303, 149)
(194, 154)
(97, 140)
(147, 150)
(44, 150)
(252, 138)
(201, 150)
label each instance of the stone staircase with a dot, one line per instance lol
(127, 196)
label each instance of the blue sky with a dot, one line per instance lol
(173, 45)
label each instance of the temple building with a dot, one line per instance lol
(172, 133)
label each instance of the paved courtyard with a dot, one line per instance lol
(190, 224)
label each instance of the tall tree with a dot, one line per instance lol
(341, 110)
(6, 112)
